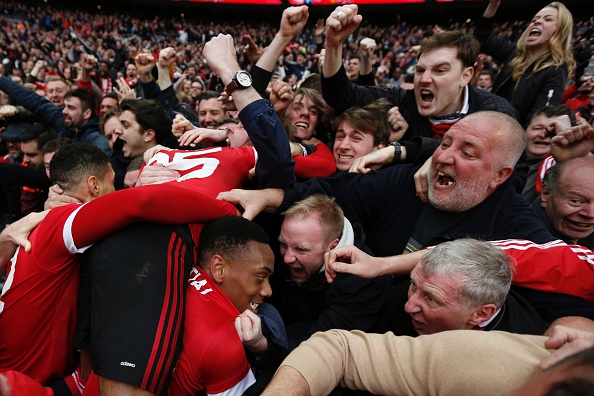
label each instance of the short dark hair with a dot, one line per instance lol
(149, 115)
(372, 118)
(312, 81)
(135, 164)
(111, 95)
(486, 73)
(34, 132)
(556, 111)
(86, 98)
(56, 144)
(75, 162)
(208, 95)
(228, 237)
(44, 138)
(467, 45)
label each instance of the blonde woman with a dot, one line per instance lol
(537, 66)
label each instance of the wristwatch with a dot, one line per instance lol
(242, 80)
(397, 151)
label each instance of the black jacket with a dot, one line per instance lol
(386, 206)
(340, 94)
(349, 303)
(531, 92)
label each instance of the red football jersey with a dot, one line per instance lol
(212, 356)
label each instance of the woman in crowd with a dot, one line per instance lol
(537, 66)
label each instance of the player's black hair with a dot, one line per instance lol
(229, 237)
(75, 162)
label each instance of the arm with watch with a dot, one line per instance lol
(393, 153)
(414, 151)
(275, 167)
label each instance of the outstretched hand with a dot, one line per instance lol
(373, 160)
(19, 231)
(351, 260)
(254, 201)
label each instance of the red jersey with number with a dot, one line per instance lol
(212, 356)
(210, 170)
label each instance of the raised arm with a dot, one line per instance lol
(163, 203)
(388, 365)
(352, 260)
(341, 23)
(491, 9)
(275, 164)
(41, 107)
(292, 22)
(338, 91)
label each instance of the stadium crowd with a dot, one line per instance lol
(194, 207)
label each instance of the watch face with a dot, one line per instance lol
(244, 79)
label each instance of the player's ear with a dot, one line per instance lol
(93, 185)
(217, 268)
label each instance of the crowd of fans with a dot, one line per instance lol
(371, 163)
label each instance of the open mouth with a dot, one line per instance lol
(297, 270)
(535, 32)
(302, 125)
(427, 96)
(345, 157)
(542, 143)
(444, 180)
(254, 306)
(579, 225)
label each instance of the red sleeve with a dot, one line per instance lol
(321, 163)
(168, 204)
(86, 85)
(552, 267)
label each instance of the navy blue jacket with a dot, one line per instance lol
(52, 115)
